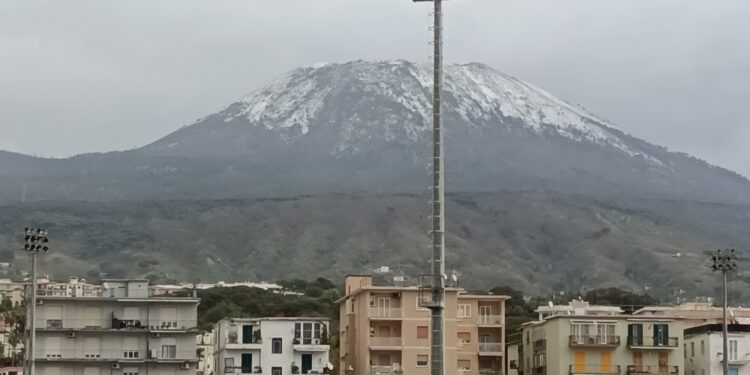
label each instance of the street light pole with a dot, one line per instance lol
(35, 242)
(725, 261)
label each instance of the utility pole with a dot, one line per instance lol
(437, 350)
(725, 261)
(35, 242)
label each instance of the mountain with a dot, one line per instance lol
(325, 171)
(365, 127)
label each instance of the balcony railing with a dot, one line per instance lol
(116, 355)
(386, 370)
(385, 313)
(490, 347)
(594, 341)
(385, 341)
(653, 342)
(116, 324)
(490, 320)
(488, 371)
(594, 370)
(655, 370)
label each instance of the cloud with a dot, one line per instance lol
(104, 75)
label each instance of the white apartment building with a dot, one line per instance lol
(205, 346)
(704, 346)
(120, 331)
(272, 346)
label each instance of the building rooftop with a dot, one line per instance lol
(711, 328)
(277, 318)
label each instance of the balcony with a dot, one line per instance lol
(594, 370)
(385, 342)
(490, 349)
(490, 320)
(489, 371)
(654, 370)
(232, 342)
(653, 342)
(580, 341)
(116, 324)
(386, 370)
(80, 355)
(385, 313)
(310, 345)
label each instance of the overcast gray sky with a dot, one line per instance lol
(82, 76)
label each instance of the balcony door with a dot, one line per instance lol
(306, 363)
(383, 307)
(485, 314)
(661, 335)
(635, 334)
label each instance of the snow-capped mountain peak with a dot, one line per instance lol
(397, 104)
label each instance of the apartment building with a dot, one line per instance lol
(385, 330)
(275, 346)
(698, 313)
(579, 339)
(120, 331)
(704, 346)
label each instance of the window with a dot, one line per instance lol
(703, 347)
(661, 335)
(732, 350)
(464, 311)
(169, 351)
(422, 332)
(275, 370)
(684, 349)
(692, 349)
(540, 358)
(247, 363)
(247, 334)
(276, 345)
(128, 371)
(464, 365)
(635, 334)
(464, 338)
(422, 360)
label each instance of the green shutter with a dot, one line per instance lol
(247, 363)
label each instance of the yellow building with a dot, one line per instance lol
(579, 339)
(384, 331)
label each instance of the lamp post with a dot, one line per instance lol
(725, 261)
(35, 242)
(436, 306)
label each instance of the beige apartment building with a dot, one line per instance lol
(385, 331)
(579, 339)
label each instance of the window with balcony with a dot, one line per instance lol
(247, 334)
(423, 360)
(661, 334)
(635, 334)
(246, 366)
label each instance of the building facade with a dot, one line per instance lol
(205, 347)
(120, 331)
(385, 331)
(704, 347)
(275, 346)
(579, 339)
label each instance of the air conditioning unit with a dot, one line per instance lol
(71, 335)
(316, 341)
(156, 334)
(40, 302)
(185, 366)
(115, 366)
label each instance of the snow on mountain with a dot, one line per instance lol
(478, 95)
